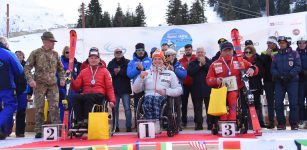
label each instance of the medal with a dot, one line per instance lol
(93, 82)
(93, 75)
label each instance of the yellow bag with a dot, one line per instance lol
(217, 103)
(98, 126)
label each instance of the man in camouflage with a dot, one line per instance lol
(46, 63)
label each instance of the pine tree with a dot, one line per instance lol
(185, 13)
(272, 7)
(173, 12)
(118, 20)
(212, 2)
(106, 20)
(254, 6)
(300, 6)
(225, 10)
(197, 13)
(243, 4)
(129, 19)
(283, 7)
(140, 17)
(79, 22)
(93, 15)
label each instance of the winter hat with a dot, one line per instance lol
(153, 50)
(249, 42)
(158, 53)
(221, 40)
(226, 45)
(94, 52)
(140, 46)
(170, 51)
(48, 36)
(272, 39)
(282, 38)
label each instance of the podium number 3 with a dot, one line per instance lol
(50, 131)
(228, 129)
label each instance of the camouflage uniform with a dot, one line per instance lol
(46, 64)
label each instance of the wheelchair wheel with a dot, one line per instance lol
(111, 117)
(139, 109)
(170, 133)
(77, 134)
(242, 113)
(172, 118)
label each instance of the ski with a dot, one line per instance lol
(235, 36)
(73, 42)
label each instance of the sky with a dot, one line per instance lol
(154, 9)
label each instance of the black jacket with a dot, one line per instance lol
(121, 82)
(267, 61)
(200, 89)
(255, 81)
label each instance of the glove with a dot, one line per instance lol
(65, 103)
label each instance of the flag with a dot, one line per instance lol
(301, 144)
(102, 147)
(201, 145)
(231, 145)
(129, 147)
(164, 146)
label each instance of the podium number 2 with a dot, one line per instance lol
(50, 131)
(228, 129)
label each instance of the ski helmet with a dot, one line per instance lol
(249, 42)
(282, 38)
(302, 38)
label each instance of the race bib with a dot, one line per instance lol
(230, 83)
(218, 68)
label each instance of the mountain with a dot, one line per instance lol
(27, 16)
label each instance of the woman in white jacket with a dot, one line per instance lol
(158, 83)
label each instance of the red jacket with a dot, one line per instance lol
(219, 69)
(85, 64)
(103, 83)
(185, 63)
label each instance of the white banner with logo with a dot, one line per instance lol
(199, 35)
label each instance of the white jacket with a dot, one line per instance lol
(158, 79)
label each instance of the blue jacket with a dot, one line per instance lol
(179, 70)
(132, 71)
(199, 89)
(10, 69)
(303, 56)
(75, 71)
(286, 65)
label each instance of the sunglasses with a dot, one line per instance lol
(118, 52)
(248, 52)
(269, 43)
(140, 50)
(168, 56)
(66, 52)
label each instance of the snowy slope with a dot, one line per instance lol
(25, 15)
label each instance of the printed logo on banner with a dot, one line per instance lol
(296, 32)
(176, 38)
(109, 47)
